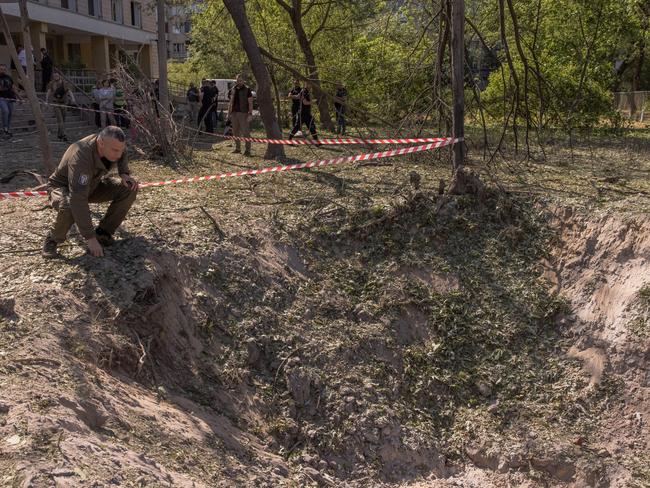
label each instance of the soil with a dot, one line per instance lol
(336, 327)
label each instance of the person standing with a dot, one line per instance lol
(59, 92)
(206, 104)
(240, 113)
(192, 97)
(120, 105)
(294, 95)
(47, 65)
(340, 99)
(80, 179)
(305, 116)
(7, 97)
(106, 95)
(94, 93)
(215, 102)
(22, 57)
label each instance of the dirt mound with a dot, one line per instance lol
(602, 266)
(404, 344)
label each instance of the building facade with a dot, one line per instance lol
(179, 25)
(89, 35)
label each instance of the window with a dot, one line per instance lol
(116, 11)
(187, 26)
(136, 14)
(95, 8)
(69, 4)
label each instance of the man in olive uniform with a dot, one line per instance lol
(81, 179)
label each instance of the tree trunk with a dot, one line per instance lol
(237, 11)
(28, 81)
(314, 77)
(511, 67)
(443, 42)
(163, 87)
(457, 79)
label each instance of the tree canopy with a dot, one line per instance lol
(548, 62)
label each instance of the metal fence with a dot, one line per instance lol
(635, 105)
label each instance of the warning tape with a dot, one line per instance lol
(273, 169)
(285, 142)
(20, 194)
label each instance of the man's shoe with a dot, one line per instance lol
(104, 238)
(236, 151)
(49, 249)
(247, 153)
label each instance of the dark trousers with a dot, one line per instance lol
(308, 120)
(340, 119)
(109, 190)
(122, 118)
(98, 118)
(46, 76)
(60, 120)
(205, 116)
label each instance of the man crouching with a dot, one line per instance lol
(81, 179)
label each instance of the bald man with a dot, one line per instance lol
(81, 179)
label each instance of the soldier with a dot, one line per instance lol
(81, 179)
(59, 91)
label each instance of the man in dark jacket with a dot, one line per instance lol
(207, 101)
(47, 65)
(305, 116)
(240, 113)
(81, 179)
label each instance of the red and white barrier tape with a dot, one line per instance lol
(22, 194)
(285, 142)
(272, 169)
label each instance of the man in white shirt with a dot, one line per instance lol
(22, 57)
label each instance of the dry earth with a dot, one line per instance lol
(336, 327)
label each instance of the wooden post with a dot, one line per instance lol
(457, 77)
(163, 88)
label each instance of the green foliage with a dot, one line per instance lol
(571, 66)
(186, 73)
(385, 52)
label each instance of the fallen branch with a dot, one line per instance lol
(217, 229)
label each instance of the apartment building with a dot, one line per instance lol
(88, 34)
(179, 25)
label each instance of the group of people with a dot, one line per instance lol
(9, 91)
(46, 63)
(108, 100)
(301, 103)
(203, 105)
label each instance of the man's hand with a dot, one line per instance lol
(129, 182)
(95, 247)
(249, 118)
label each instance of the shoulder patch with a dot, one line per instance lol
(83, 179)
